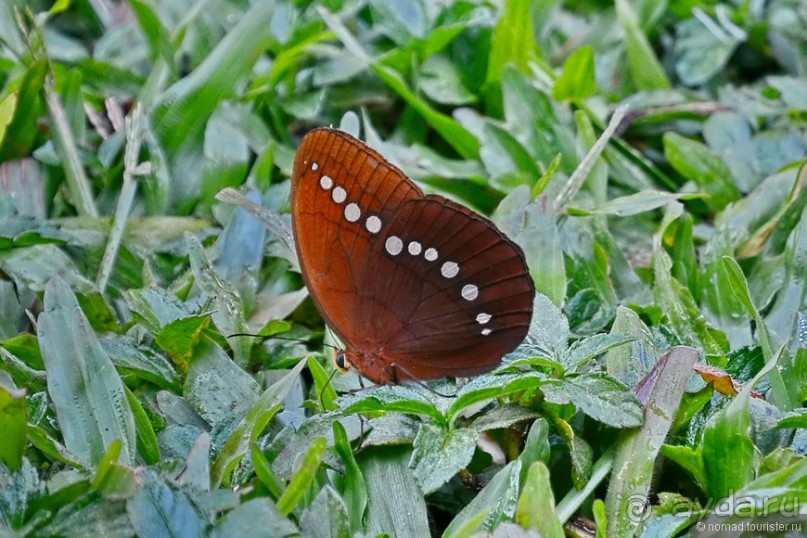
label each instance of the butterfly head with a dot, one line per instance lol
(371, 365)
(340, 360)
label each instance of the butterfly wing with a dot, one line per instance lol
(458, 293)
(404, 279)
(343, 195)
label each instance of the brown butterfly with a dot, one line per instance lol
(414, 285)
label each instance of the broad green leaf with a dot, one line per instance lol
(104, 515)
(176, 327)
(536, 447)
(13, 420)
(52, 447)
(295, 439)
(488, 387)
(265, 473)
(7, 107)
(684, 256)
(21, 127)
(589, 348)
(37, 265)
(502, 417)
(689, 459)
(506, 160)
(660, 393)
(695, 162)
(196, 473)
(147, 445)
(228, 312)
(683, 314)
(181, 115)
(270, 219)
(394, 500)
(577, 80)
(633, 204)
(326, 394)
(390, 398)
(303, 478)
(215, 386)
(730, 458)
(497, 501)
(355, 492)
(114, 479)
(401, 20)
(326, 517)
(439, 454)
(256, 517)
(532, 224)
(253, 424)
(782, 316)
(703, 47)
(645, 68)
(531, 117)
(580, 453)
(513, 41)
(162, 509)
(455, 134)
(739, 286)
(598, 396)
(86, 390)
(142, 361)
(536, 506)
(630, 363)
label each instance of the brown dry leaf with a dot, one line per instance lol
(722, 382)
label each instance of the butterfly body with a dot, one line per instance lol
(415, 285)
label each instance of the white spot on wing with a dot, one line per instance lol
(450, 269)
(469, 292)
(486, 332)
(394, 245)
(339, 194)
(431, 254)
(373, 224)
(326, 182)
(483, 318)
(414, 248)
(352, 212)
(314, 167)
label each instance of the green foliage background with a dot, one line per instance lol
(649, 157)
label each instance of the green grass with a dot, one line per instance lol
(648, 156)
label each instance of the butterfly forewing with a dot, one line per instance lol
(343, 196)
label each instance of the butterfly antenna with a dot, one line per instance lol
(266, 337)
(421, 383)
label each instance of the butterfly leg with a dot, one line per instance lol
(397, 367)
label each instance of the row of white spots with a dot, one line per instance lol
(352, 210)
(469, 292)
(394, 244)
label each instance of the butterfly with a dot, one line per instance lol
(415, 286)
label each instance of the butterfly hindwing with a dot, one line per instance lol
(459, 289)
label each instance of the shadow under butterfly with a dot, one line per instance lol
(416, 286)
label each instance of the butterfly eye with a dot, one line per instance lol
(340, 361)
